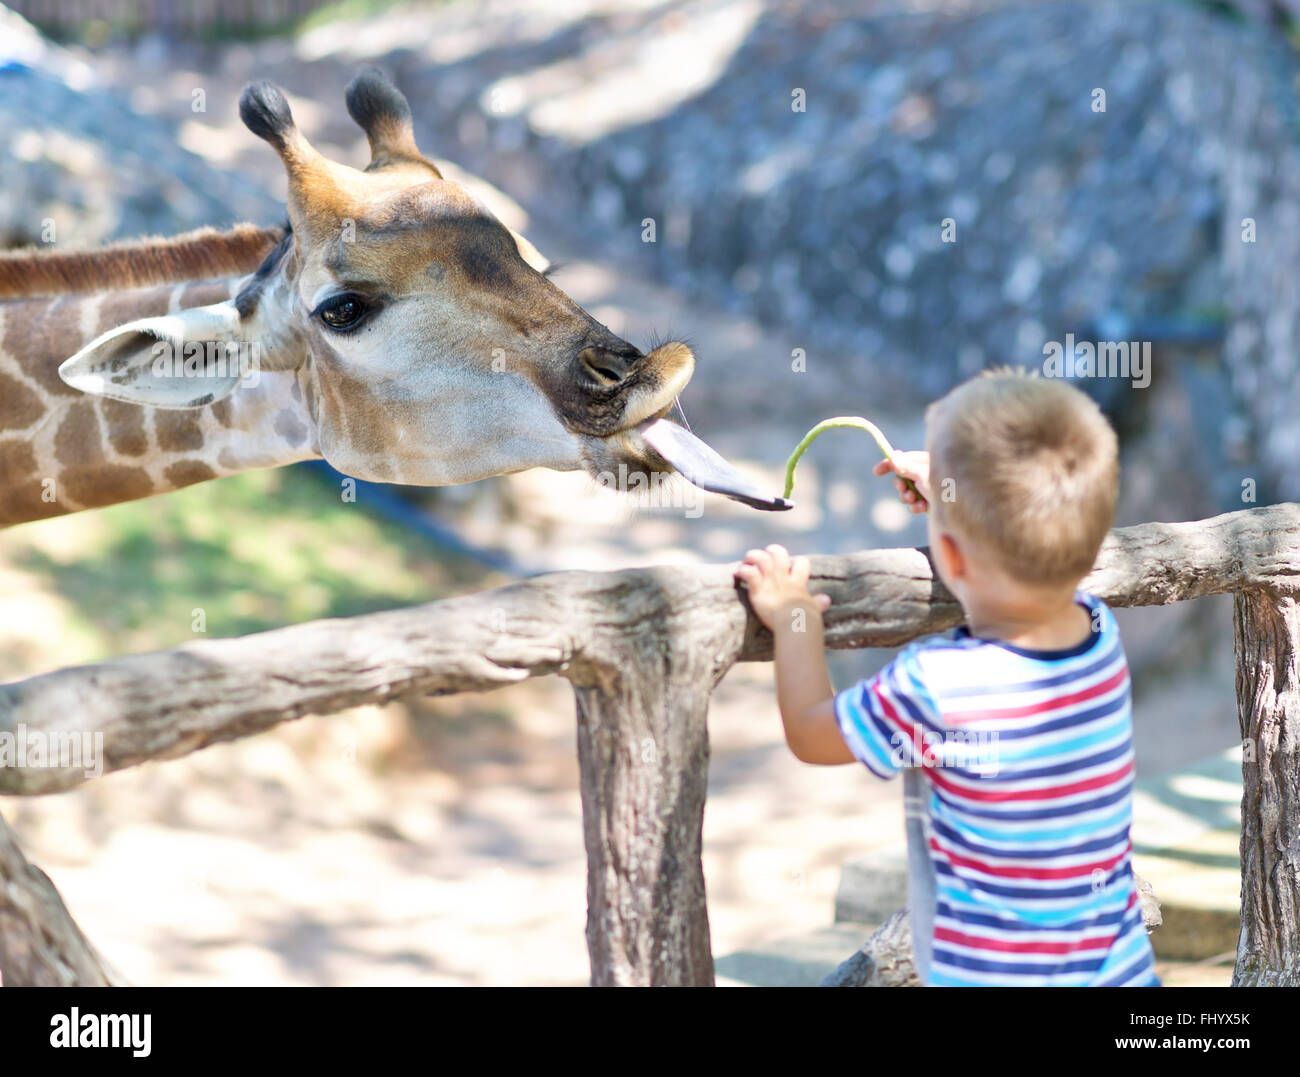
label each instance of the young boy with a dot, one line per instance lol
(1014, 732)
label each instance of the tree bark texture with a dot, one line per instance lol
(1266, 630)
(40, 944)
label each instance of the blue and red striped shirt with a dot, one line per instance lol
(1018, 773)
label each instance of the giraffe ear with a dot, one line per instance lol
(182, 360)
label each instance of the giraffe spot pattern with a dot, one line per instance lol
(20, 407)
(87, 454)
(17, 461)
(121, 307)
(78, 436)
(125, 424)
(41, 327)
(188, 472)
(107, 484)
(290, 427)
(26, 502)
(178, 431)
(204, 294)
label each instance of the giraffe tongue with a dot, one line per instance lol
(699, 464)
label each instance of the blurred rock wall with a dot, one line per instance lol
(76, 158)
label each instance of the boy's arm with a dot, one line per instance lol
(778, 588)
(804, 691)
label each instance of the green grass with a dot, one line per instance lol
(253, 551)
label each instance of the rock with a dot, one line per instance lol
(81, 167)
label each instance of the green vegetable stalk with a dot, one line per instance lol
(856, 422)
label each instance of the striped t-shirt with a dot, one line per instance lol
(1018, 774)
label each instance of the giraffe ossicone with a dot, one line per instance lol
(395, 327)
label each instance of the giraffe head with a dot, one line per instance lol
(431, 347)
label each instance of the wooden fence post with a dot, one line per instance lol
(644, 762)
(40, 944)
(643, 751)
(1266, 638)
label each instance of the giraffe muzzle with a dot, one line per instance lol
(609, 365)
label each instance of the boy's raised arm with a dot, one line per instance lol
(778, 593)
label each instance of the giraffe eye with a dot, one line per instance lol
(343, 312)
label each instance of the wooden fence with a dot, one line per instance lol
(643, 650)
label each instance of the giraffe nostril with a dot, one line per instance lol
(607, 366)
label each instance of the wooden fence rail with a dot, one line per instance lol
(644, 650)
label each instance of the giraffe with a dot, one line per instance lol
(393, 326)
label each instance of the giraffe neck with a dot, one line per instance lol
(62, 451)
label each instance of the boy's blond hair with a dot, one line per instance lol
(1028, 469)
